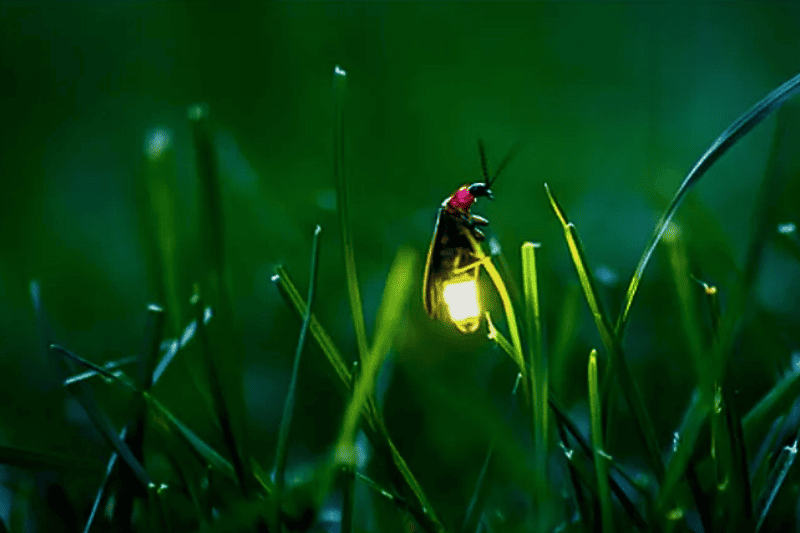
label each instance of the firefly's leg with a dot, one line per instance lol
(476, 220)
(478, 234)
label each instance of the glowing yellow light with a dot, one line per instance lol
(462, 303)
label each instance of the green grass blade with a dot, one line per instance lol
(575, 478)
(210, 221)
(135, 428)
(376, 430)
(395, 297)
(86, 399)
(611, 342)
(772, 405)
(740, 127)
(600, 464)
(562, 419)
(288, 406)
(221, 345)
(164, 421)
(481, 491)
(148, 357)
(98, 498)
(690, 320)
(740, 472)
(538, 376)
(295, 301)
(117, 376)
(340, 177)
(111, 366)
(684, 446)
(173, 346)
(158, 210)
(511, 317)
(776, 478)
(222, 410)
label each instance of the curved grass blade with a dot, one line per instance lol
(395, 297)
(340, 177)
(740, 127)
(611, 342)
(600, 463)
(511, 317)
(288, 406)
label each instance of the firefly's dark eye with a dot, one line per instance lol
(480, 189)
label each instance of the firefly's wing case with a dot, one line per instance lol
(431, 297)
(449, 249)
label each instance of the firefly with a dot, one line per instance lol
(450, 283)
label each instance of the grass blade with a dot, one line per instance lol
(683, 447)
(375, 430)
(774, 403)
(600, 464)
(340, 177)
(395, 297)
(295, 301)
(480, 492)
(158, 209)
(562, 419)
(775, 482)
(86, 399)
(511, 317)
(740, 472)
(222, 411)
(98, 498)
(288, 407)
(740, 127)
(135, 428)
(538, 376)
(611, 342)
(574, 476)
(164, 420)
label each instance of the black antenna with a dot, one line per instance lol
(484, 169)
(506, 160)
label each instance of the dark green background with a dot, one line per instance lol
(615, 101)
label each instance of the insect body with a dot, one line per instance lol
(452, 267)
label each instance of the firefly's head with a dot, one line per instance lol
(481, 189)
